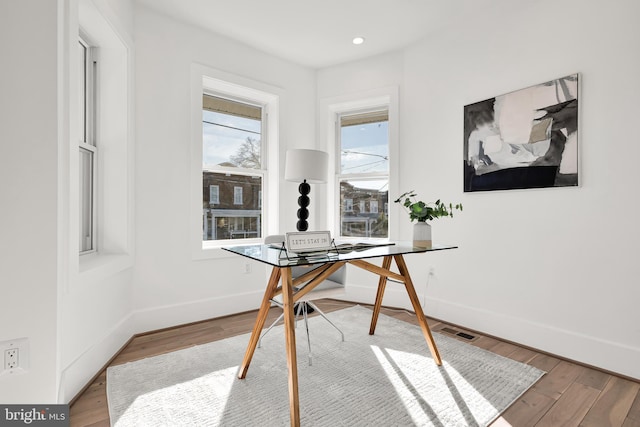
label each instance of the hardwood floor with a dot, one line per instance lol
(568, 395)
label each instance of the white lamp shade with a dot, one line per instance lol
(301, 164)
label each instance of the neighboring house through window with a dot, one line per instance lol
(235, 150)
(232, 160)
(363, 172)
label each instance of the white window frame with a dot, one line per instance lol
(114, 126)
(88, 139)
(330, 109)
(206, 80)
(373, 206)
(360, 176)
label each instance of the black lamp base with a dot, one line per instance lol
(303, 201)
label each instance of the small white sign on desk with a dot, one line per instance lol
(308, 241)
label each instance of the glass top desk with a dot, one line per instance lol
(281, 282)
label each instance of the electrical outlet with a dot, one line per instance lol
(247, 268)
(14, 355)
(11, 358)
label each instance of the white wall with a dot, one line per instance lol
(550, 268)
(95, 290)
(73, 314)
(28, 192)
(171, 286)
(555, 269)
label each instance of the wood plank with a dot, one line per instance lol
(630, 422)
(544, 362)
(613, 404)
(634, 412)
(90, 408)
(528, 409)
(571, 407)
(523, 355)
(503, 348)
(485, 342)
(594, 378)
(559, 379)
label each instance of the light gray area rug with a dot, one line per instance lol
(388, 379)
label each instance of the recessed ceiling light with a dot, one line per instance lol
(358, 40)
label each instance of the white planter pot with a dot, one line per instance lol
(422, 235)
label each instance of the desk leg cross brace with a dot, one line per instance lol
(417, 308)
(284, 274)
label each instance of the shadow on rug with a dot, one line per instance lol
(384, 379)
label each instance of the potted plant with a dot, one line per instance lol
(423, 212)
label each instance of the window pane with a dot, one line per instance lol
(82, 93)
(226, 219)
(231, 134)
(86, 202)
(359, 201)
(364, 147)
(237, 195)
(214, 194)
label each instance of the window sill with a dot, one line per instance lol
(98, 266)
(213, 249)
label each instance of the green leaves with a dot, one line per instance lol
(421, 211)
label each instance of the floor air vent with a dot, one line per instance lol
(458, 333)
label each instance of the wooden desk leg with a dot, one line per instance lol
(404, 271)
(290, 335)
(382, 283)
(257, 327)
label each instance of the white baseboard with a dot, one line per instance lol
(79, 372)
(595, 351)
(611, 356)
(166, 316)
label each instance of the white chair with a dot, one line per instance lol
(331, 288)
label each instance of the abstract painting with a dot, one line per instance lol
(524, 139)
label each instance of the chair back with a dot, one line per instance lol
(274, 239)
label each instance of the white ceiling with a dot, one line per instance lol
(318, 33)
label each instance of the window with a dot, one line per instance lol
(237, 195)
(348, 205)
(88, 151)
(363, 172)
(235, 125)
(214, 194)
(233, 164)
(101, 166)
